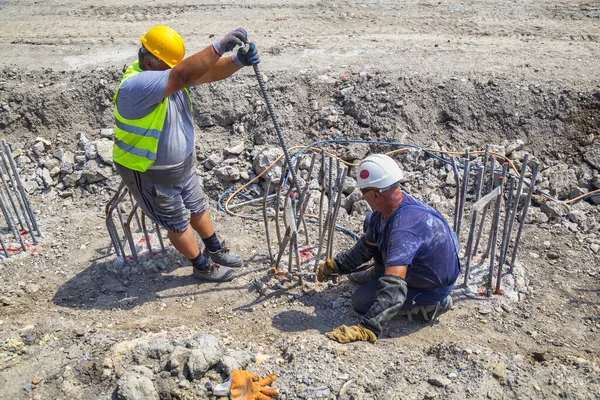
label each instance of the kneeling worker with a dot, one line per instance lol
(414, 249)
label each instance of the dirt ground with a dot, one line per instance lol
(460, 73)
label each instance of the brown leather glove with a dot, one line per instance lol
(248, 386)
(347, 334)
(326, 269)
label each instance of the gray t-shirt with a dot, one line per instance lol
(141, 94)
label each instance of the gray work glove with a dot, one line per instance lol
(389, 298)
(234, 38)
(246, 57)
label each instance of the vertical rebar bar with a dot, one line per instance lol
(129, 234)
(146, 235)
(515, 203)
(4, 249)
(472, 227)
(19, 193)
(288, 158)
(457, 193)
(10, 198)
(160, 239)
(465, 189)
(266, 219)
(494, 231)
(10, 221)
(26, 203)
(278, 203)
(503, 247)
(484, 212)
(523, 217)
(338, 202)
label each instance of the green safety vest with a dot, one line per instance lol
(136, 140)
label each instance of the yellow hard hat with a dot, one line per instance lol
(165, 44)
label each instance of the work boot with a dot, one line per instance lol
(443, 307)
(427, 313)
(214, 273)
(224, 257)
(364, 276)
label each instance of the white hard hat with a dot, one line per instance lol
(378, 171)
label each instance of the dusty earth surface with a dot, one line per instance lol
(518, 75)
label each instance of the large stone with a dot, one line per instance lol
(105, 149)
(178, 360)
(554, 209)
(94, 173)
(135, 386)
(206, 355)
(266, 158)
(236, 360)
(228, 173)
(592, 155)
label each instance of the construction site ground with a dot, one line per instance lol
(457, 73)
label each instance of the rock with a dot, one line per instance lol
(235, 150)
(361, 207)
(554, 209)
(227, 173)
(94, 173)
(592, 155)
(6, 301)
(91, 151)
(213, 160)
(104, 148)
(178, 360)
(107, 133)
(133, 386)
(236, 360)
(205, 356)
(318, 393)
(264, 159)
(159, 348)
(499, 372)
(439, 381)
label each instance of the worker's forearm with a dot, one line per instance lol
(349, 260)
(191, 69)
(389, 298)
(224, 68)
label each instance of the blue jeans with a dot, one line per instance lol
(364, 297)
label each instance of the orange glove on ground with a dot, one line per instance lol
(326, 269)
(248, 386)
(347, 334)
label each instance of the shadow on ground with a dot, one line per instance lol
(98, 287)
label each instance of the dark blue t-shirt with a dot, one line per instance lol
(416, 235)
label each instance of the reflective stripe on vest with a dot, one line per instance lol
(136, 140)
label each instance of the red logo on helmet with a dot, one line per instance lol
(364, 174)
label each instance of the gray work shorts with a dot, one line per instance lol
(167, 197)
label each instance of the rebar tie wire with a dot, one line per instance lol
(402, 147)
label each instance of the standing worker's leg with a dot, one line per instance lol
(163, 204)
(194, 201)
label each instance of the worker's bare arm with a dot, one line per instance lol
(397, 271)
(224, 68)
(192, 69)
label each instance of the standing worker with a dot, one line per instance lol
(154, 139)
(414, 249)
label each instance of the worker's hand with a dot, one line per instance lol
(347, 334)
(326, 269)
(248, 386)
(234, 38)
(246, 57)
